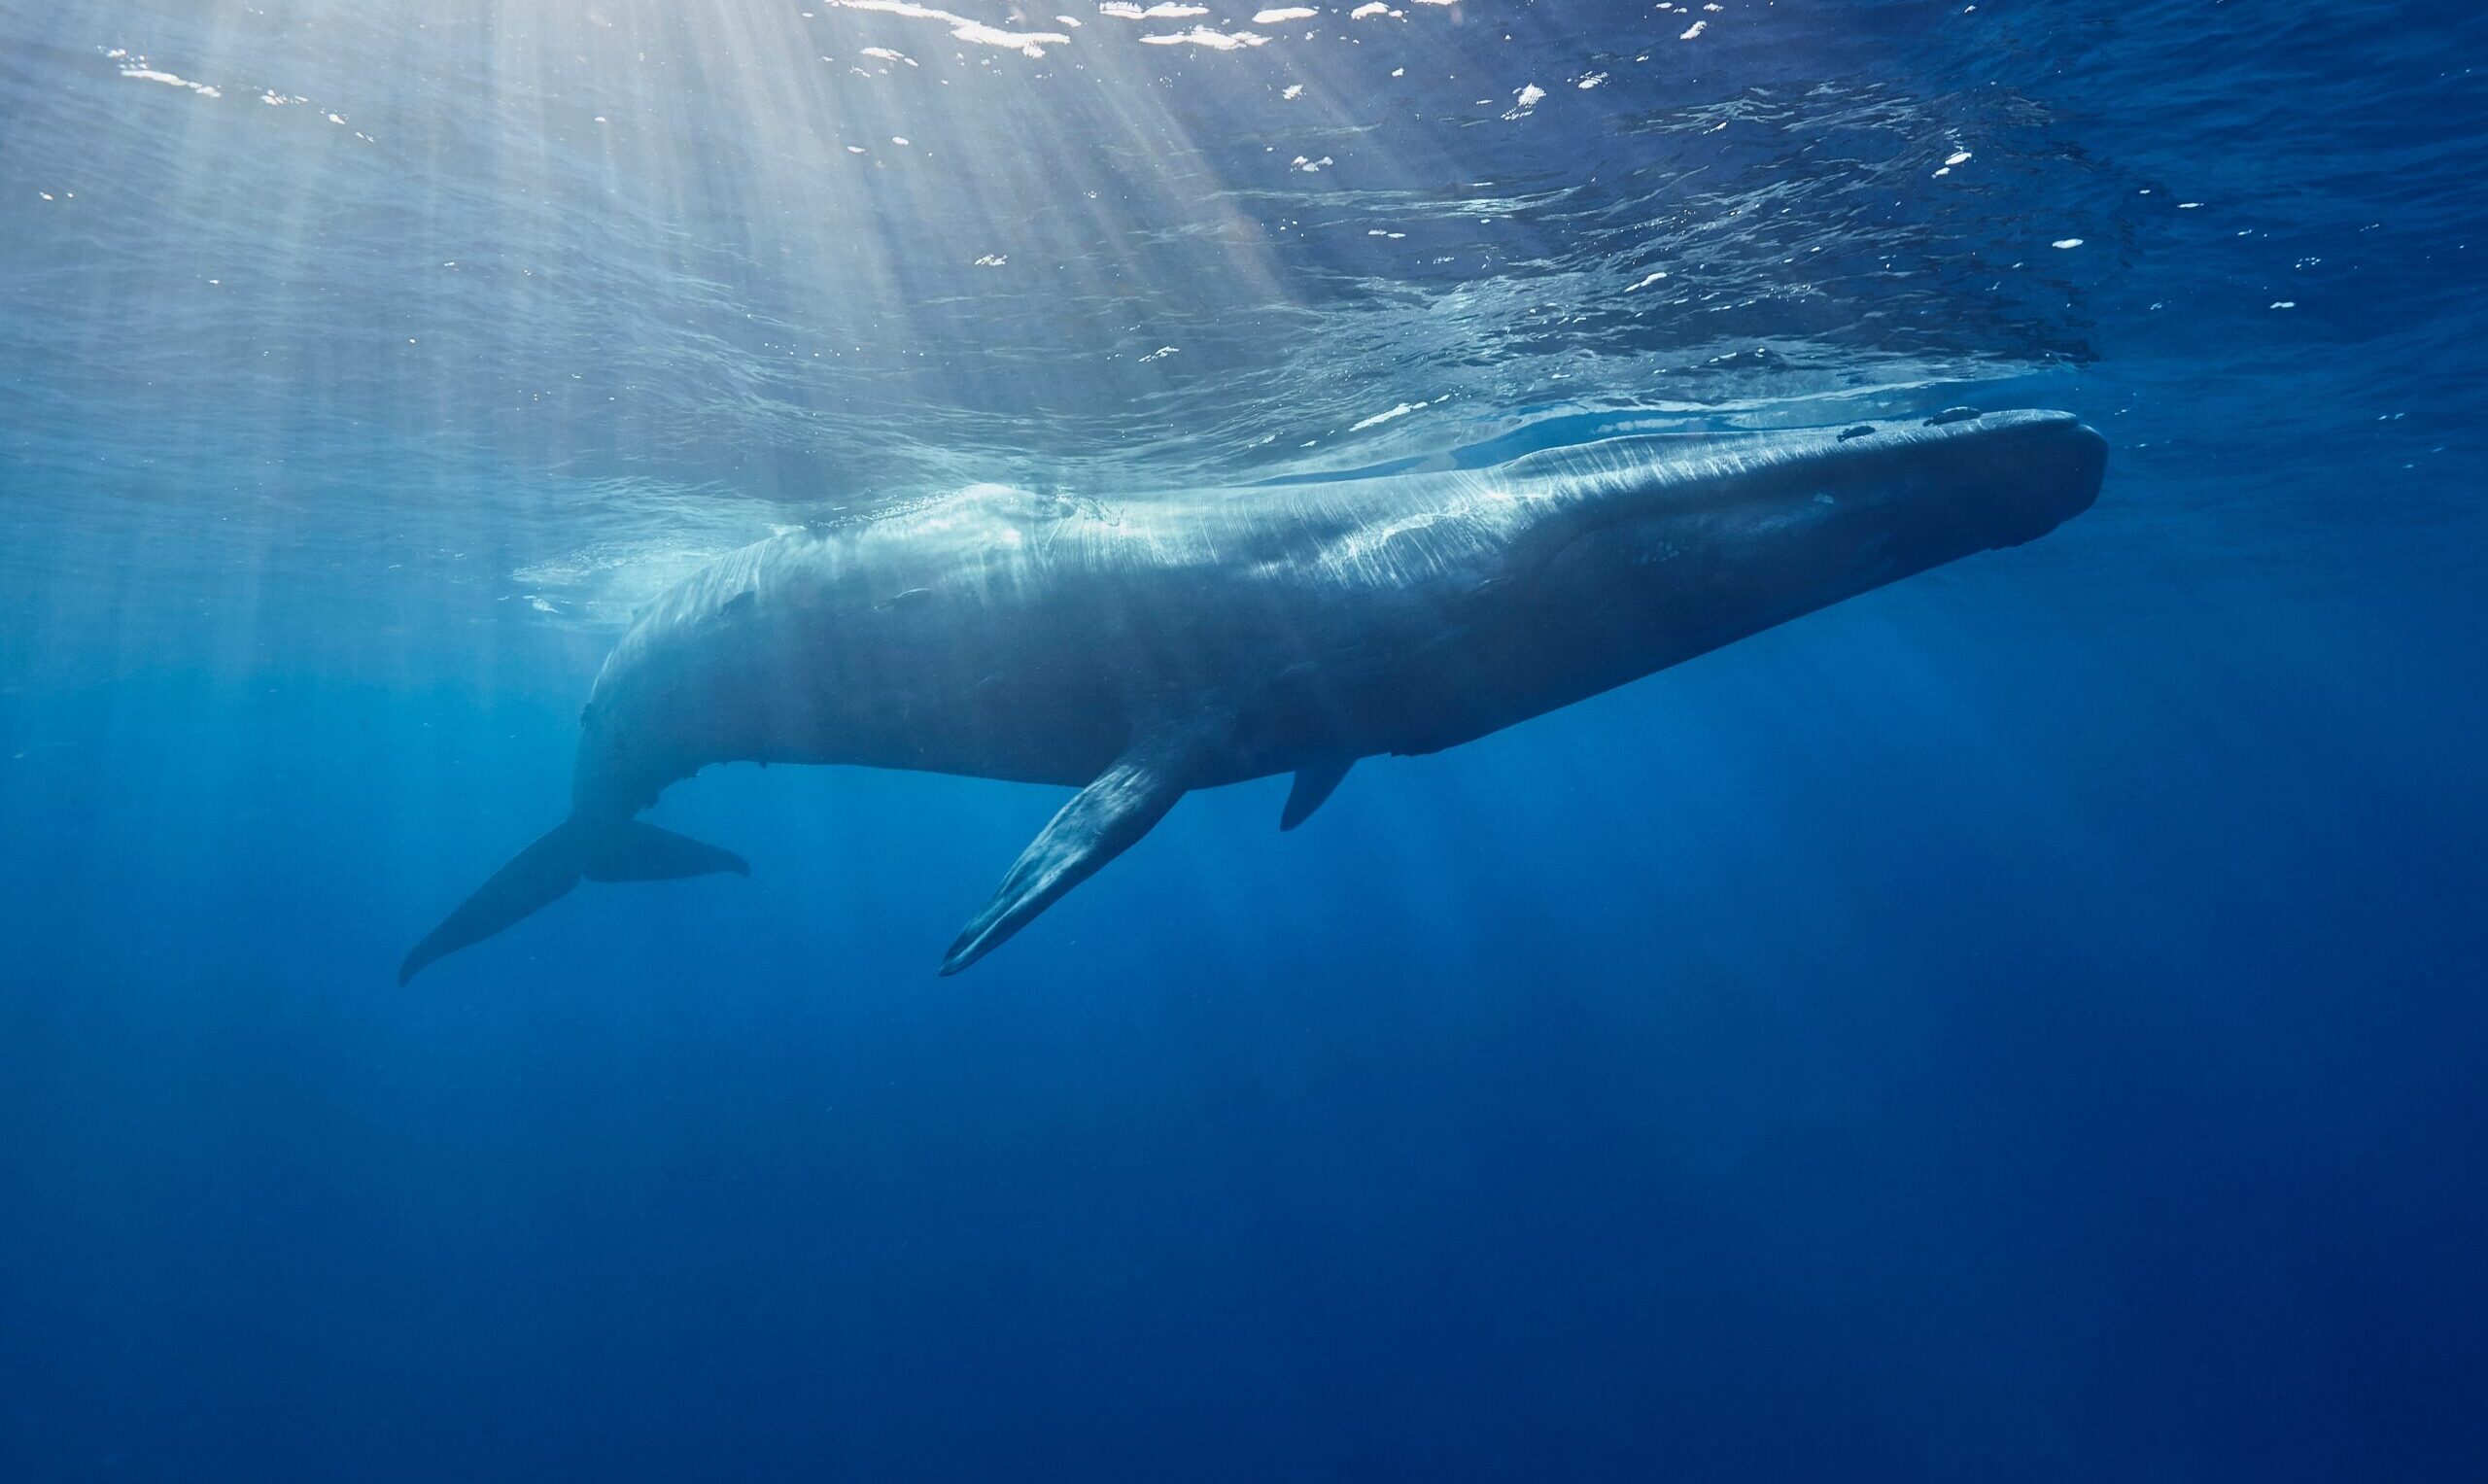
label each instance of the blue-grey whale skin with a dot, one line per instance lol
(1138, 649)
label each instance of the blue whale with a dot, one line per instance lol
(1138, 649)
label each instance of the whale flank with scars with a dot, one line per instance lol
(1138, 649)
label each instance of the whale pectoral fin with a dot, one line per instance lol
(1100, 822)
(1313, 784)
(632, 851)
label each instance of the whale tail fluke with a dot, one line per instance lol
(599, 851)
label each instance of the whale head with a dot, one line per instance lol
(1994, 479)
(1661, 548)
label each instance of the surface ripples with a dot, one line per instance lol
(519, 283)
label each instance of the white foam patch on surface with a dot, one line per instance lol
(1284, 13)
(1380, 418)
(172, 80)
(1204, 36)
(1031, 44)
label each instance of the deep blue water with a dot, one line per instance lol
(2024, 1023)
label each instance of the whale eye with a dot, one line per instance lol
(1862, 430)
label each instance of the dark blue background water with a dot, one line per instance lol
(2022, 1024)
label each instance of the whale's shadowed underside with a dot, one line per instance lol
(1140, 649)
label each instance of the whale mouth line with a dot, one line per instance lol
(1949, 427)
(1753, 451)
(2034, 444)
(1763, 454)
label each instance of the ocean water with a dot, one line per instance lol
(2024, 1023)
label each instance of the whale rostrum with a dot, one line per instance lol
(1139, 648)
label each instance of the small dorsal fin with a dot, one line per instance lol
(1313, 784)
(1100, 822)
